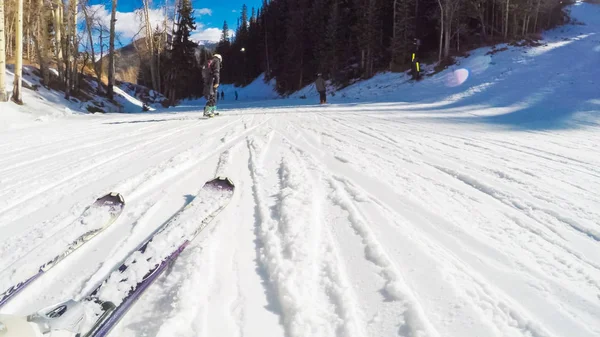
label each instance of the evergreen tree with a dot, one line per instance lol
(244, 20)
(224, 48)
(225, 33)
(292, 40)
(184, 66)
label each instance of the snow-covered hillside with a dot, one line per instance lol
(42, 104)
(464, 205)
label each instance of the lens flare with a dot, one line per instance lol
(457, 77)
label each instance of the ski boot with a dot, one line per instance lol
(209, 111)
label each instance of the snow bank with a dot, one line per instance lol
(44, 105)
(40, 105)
(507, 84)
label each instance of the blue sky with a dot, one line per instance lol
(209, 16)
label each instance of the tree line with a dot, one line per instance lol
(289, 41)
(293, 40)
(73, 38)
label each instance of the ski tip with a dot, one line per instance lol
(222, 181)
(226, 179)
(118, 195)
(115, 196)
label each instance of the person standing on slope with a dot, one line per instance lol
(416, 66)
(320, 85)
(211, 74)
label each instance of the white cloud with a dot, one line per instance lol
(203, 11)
(128, 23)
(234, 11)
(209, 34)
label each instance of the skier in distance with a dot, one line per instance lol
(211, 75)
(320, 85)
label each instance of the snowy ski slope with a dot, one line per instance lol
(473, 210)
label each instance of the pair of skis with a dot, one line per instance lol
(99, 311)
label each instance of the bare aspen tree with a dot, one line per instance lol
(58, 36)
(70, 45)
(150, 45)
(173, 20)
(3, 96)
(67, 48)
(448, 8)
(42, 42)
(28, 30)
(537, 14)
(89, 23)
(101, 38)
(74, 54)
(17, 86)
(479, 10)
(9, 37)
(111, 50)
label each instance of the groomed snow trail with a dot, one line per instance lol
(353, 219)
(343, 224)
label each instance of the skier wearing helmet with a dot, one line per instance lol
(211, 76)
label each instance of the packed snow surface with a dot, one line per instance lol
(464, 205)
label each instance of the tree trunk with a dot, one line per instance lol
(394, 34)
(301, 71)
(458, 40)
(111, 52)
(515, 24)
(483, 30)
(267, 54)
(97, 66)
(101, 39)
(27, 32)
(43, 43)
(537, 14)
(506, 22)
(74, 46)
(68, 37)
(17, 94)
(10, 49)
(448, 31)
(151, 47)
(417, 18)
(493, 18)
(58, 37)
(70, 47)
(3, 96)
(441, 31)
(362, 60)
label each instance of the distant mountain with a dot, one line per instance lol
(211, 45)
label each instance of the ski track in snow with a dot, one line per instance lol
(360, 230)
(354, 219)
